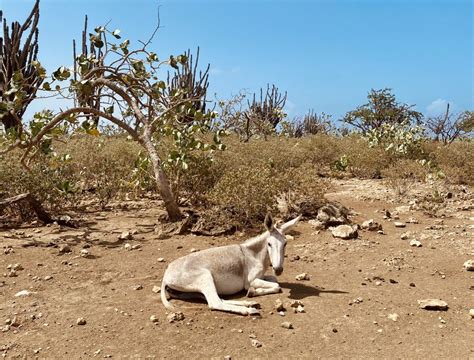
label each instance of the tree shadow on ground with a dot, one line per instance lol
(300, 291)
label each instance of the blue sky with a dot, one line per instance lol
(326, 54)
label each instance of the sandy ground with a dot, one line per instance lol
(354, 286)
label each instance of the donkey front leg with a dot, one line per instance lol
(208, 289)
(263, 287)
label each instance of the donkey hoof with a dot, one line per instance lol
(253, 304)
(251, 292)
(252, 311)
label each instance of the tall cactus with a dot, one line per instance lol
(17, 62)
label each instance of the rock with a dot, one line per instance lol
(255, 343)
(175, 316)
(127, 247)
(300, 309)
(469, 265)
(136, 247)
(154, 319)
(345, 232)
(433, 304)
(126, 235)
(287, 325)
(279, 305)
(47, 278)
(403, 209)
(64, 248)
(371, 225)
(405, 236)
(316, 224)
(399, 224)
(138, 287)
(85, 253)
(161, 260)
(296, 303)
(23, 293)
(81, 321)
(193, 250)
(227, 357)
(393, 317)
(413, 221)
(303, 276)
(15, 267)
(156, 289)
(289, 237)
(333, 214)
(471, 313)
(415, 242)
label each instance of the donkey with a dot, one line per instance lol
(226, 270)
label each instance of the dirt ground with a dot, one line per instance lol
(354, 286)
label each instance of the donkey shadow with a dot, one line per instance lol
(300, 291)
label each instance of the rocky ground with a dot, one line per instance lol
(93, 292)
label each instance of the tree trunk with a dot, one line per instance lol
(161, 179)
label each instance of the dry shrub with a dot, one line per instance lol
(363, 161)
(404, 174)
(456, 161)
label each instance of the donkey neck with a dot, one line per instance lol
(258, 247)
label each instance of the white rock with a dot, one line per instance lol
(81, 321)
(415, 242)
(316, 224)
(433, 304)
(287, 325)
(399, 224)
(24, 293)
(393, 317)
(161, 260)
(303, 276)
(471, 313)
(154, 319)
(64, 248)
(371, 225)
(255, 343)
(175, 316)
(85, 253)
(278, 306)
(469, 265)
(126, 235)
(344, 231)
(405, 236)
(156, 289)
(289, 237)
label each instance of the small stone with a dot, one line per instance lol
(161, 260)
(393, 317)
(17, 267)
(64, 248)
(81, 321)
(85, 253)
(193, 250)
(47, 278)
(378, 283)
(300, 309)
(296, 303)
(154, 319)
(415, 242)
(156, 289)
(136, 247)
(413, 221)
(255, 343)
(175, 316)
(345, 231)
(227, 357)
(127, 247)
(23, 293)
(126, 235)
(279, 305)
(138, 287)
(316, 224)
(287, 325)
(301, 277)
(471, 313)
(289, 237)
(371, 225)
(405, 236)
(433, 304)
(399, 224)
(469, 265)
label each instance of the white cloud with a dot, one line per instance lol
(438, 106)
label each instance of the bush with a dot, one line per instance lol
(456, 161)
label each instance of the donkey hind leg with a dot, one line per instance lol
(260, 287)
(246, 303)
(208, 289)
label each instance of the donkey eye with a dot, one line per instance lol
(284, 245)
(269, 244)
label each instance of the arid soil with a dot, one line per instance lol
(361, 299)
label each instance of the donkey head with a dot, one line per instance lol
(276, 241)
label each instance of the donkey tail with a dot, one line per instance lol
(164, 296)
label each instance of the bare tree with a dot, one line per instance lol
(18, 65)
(449, 127)
(123, 86)
(311, 124)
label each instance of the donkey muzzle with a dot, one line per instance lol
(278, 270)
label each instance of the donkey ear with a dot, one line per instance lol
(288, 225)
(268, 222)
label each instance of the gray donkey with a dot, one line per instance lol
(229, 269)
